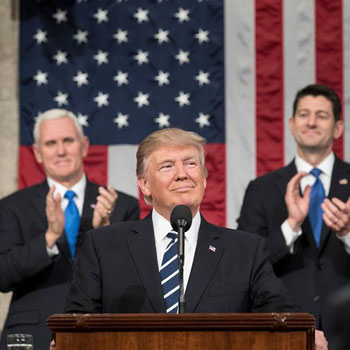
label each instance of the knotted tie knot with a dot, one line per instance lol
(70, 195)
(316, 172)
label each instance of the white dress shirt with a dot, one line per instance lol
(162, 227)
(79, 189)
(326, 166)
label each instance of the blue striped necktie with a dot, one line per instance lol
(169, 274)
(71, 221)
(317, 196)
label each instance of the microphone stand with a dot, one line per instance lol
(181, 256)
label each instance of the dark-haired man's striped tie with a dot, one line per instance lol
(169, 274)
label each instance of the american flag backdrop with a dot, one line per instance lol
(228, 70)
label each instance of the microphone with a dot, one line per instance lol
(181, 221)
(181, 216)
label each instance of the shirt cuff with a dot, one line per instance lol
(290, 236)
(52, 251)
(346, 240)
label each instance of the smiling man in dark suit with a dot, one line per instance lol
(120, 268)
(303, 209)
(41, 230)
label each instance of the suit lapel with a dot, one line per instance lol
(143, 251)
(284, 175)
(39, 200)
(340, 188)
(208, 254)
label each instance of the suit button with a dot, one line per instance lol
(320, 266)
(316, 299)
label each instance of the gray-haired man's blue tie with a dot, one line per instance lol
(71, 221)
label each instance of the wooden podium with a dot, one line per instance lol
(200, 331)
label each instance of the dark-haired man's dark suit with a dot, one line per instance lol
(310, 274)
(39, 283)
(117, 271)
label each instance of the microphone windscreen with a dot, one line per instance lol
(181, 215)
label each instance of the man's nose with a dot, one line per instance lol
(180, 172)
(60, 148)
(312, 119)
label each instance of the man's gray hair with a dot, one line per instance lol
(52, 114)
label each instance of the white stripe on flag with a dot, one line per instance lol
(240, 103)
(122, 168)
(346, 70)
(299, 59)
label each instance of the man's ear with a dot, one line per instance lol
(85, 146)
(143, 185)
(37, 153)
(291, 125)
(339, 129)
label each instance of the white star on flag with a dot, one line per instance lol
(101, 99)
(82, 119)
(61, 98)
(60, 57)
(121, 120)
(121, 36)
(101, 57)
(162, 78)
(162, 36)
(162, 120)
(142, 99)
(141, 15)
(40, 78)
(141, 57)
(81, 36)
(60, 16)
(182, 15)
(202, 78)
(203, 120)
(121, 78)
(40, 36)
(81, 78)
(183, 99)
(182, 57)
(101, 16)
(202, 36)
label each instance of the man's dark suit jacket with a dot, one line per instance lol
(117, 272)
(309, 273)
(39, 283)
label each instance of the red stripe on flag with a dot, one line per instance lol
(214, 202)
(329, 51)
(30, 172)
(269, 85)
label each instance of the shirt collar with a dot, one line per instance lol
(326, 166)
(162, 227)
(78, 188)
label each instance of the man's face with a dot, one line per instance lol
(61, 151)
(313, 126)
(173, 175)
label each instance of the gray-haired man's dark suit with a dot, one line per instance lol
(39, 283)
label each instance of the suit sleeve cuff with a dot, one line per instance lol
(346, 240)
(52, 251)
(290, 236)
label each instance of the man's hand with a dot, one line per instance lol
(336, 215)
(297, 205)
(55, 218)
(104, 206)
(321, 342)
